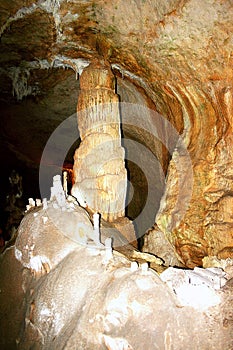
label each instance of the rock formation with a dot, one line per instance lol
(99, 171)
(172, 61)
(62, 289)
(205, 229)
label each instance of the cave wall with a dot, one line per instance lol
(179, 53)
(205, 228)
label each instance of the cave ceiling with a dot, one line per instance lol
(161, 53)
(158, 45)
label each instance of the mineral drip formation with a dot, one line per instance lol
(100, 177)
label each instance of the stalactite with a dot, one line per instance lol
(20, 87)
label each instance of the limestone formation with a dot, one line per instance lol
(99, 171)
(63, 283)
(204, 228)
(155, 241)
(57, 293)
(174, 57)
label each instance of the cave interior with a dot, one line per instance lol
(170, 64)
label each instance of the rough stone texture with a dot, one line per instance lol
(99, 172)
(205, 228)
(155, 241)
(179, 53)
(61, 294)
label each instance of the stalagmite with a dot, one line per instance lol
(99, 170)
(108, 250)
(65, 186)
(57, 192)
(31, 204)
(45, 204)
(38, 202)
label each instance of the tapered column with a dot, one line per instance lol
(99, 169)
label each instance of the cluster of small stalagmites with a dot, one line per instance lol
(198, 287)
(73, 221)
(99, 170)
(59, 197)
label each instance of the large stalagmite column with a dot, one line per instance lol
(99, 169)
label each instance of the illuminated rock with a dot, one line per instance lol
(58, 293)
(99, 170)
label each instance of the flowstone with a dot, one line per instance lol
(63, 289)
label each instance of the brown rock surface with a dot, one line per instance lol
(205, 228)
(177, 53)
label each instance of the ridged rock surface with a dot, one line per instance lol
(99, 171)
(179, 53)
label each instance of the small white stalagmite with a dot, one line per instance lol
(31, 204)
(57, 192)
(108, 250)
(45, 203)
(96, 230)
(145, 268)
(38, 202)
(96, 221)
(65, 186)
(134, 266)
